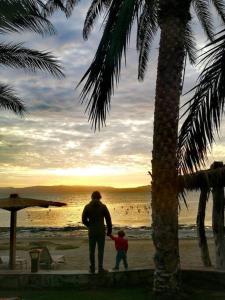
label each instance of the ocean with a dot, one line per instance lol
(129, 210)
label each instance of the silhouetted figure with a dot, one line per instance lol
(93, 216)
(121, 245)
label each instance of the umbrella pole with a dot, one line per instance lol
(12, 255)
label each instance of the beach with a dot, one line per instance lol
(61, 230)
(75, 250)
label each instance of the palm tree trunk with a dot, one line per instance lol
(218, 226)
(218, 221)
(201, 228)
(164, 163)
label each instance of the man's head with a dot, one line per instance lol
(96, 195)
(121, 233)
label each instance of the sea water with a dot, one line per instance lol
(129, 210)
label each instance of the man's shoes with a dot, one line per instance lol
(92, 270)
(115, 269)
(102, 271)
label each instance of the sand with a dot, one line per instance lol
(75, 250)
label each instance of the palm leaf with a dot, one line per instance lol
(9, 100)
(19, 15)
(147, 28)
(190, 44)
(16, 56)
(70, 4)
(94, 11)
(104, 71)
(66, 6)
(205, 109)
(220, 7)
(202, 10)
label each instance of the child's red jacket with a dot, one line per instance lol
(120, 243)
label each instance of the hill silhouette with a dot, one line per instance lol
(71, 189)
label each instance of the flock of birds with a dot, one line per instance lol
(119, 209)
(30, 215)
(133, 209)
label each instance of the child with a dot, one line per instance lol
(121, 245)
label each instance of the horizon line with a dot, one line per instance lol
(80, 185)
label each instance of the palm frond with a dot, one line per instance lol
(94, 11)
(204, 110)
(147, 28)
(104, 71)
(9, 100)
(20, 15)
(202, 10)
(16, 56)
(220, 8)
(190, 44)
(70, 4)
(66, 6)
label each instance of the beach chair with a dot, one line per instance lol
(20, 262)
(48, 261)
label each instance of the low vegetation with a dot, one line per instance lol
(109, 294)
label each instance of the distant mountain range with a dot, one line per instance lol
(71, 189)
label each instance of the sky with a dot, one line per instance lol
(54, 144)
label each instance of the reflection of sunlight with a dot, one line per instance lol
(89, 171)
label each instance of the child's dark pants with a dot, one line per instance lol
(121, 255)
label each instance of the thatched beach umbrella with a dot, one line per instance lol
(13, 204)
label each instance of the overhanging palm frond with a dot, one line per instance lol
(19, 15)
(220, 7)
(70, 4)
(104, 71)
(190, 44)
(96, 8)
(147, 28)
(202, 10)
(66, 6)
(16, 56)
(9, 100)
(205, 109)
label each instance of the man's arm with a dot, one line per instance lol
(108, 221)
(112, 237)
(85, 219)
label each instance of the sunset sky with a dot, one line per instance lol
(54, 143)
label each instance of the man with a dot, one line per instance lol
(93, 216)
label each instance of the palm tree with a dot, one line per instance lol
(17, 16)
(204, 111)
(173, 18)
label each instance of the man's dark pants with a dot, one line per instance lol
(100, 241)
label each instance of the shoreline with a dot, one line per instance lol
(139, 233)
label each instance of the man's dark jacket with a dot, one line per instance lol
(94, 214)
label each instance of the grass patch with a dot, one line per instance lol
(24, 247)
(42, 244)
(51, 245)
(65, 247)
